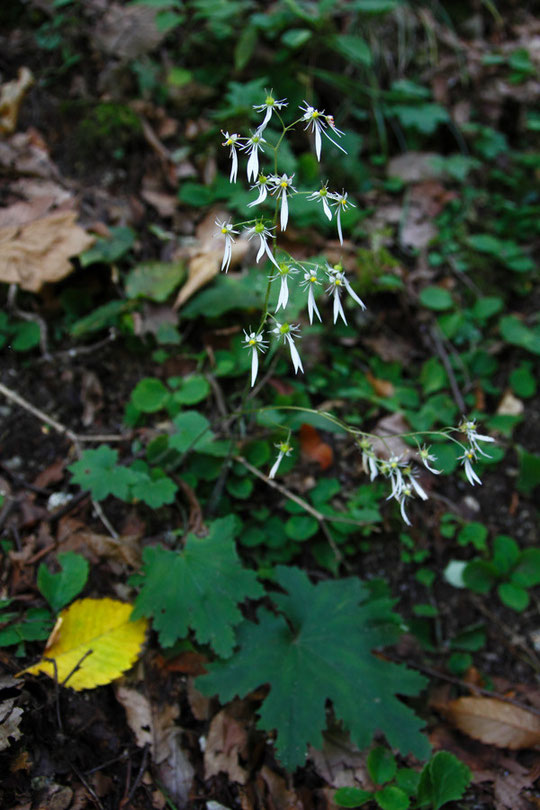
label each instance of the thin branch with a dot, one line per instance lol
(445, 360)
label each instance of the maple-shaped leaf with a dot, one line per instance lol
(199, 587)
(98, 471)
(320, 649)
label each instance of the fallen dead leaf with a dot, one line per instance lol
(383, 388)
(155, 726)
(120, 551)
(391, 444)
(314, 448)
(91, 397)
(40, 252)
(11, 96)
(127, 32)
(226, 742)
(494, 722)
(510, 405)
(10, 714)
(205, 264)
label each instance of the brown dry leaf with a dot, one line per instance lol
(120, 551)
(510, 405)
(91, 397)
(10, 714)
(206, 262)
(227, 741)
(494, 722)
(383, 388)
(340, 763)
(314, 448)
(390, 444)
(128, 32)
(155, 726)
(40, 252)
(11, 96)
(25, 153)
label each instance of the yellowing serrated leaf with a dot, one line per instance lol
(93, 643)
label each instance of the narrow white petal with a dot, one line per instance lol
(262, 246)
(403, 513)
(277, 462)
(283, 294)
(335, 144)
(373, 468)
(227, 254)
(295, 357)
(318, 141)
(284, 210)
(326, 208)
(261, 198)
(340, 233)
(270, 254)
(253, 164)
(234, 168)
(418, 488)
(353, 294)
(267, 117)
(338, 309)
(254, 365)
(470, 473)
(312, 306)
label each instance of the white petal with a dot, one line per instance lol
(263, 193)
(284, 210)
(227, 254)
(295, 357)
(261, 248)
(340, 233)
(338, 309)
(326, 208)
(266, 119)
(253, 164)
(234, 168)
(283, 293)
(403, 513)
(318, 141)
(254, 365)
(312, 306)
(373, 468)
(353, 294)
(418, 489)
(335, 144)
(270, 254)
(275, 466)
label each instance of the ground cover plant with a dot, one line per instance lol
(269, 446)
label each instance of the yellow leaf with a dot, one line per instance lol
(93, 643)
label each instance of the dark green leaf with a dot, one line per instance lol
(352, 797)
(154, 280)
(444, 779)
(150, 395)
(513, 596)
(381, 765)
(59, 589)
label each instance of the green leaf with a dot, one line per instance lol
(513, 596)
(296, 37)
(306, 662)
(474, 533)
(245, 46)
(97, 470)
(381, 765)
(198, 588)
(436, 298)
(523, 381)
(192, 390)
(59, 589)
(353, 48)
(301, 527)
(150, 395)
(444, 779)
(27, 336)
(109, 250)
(154, 280)
(506, 553)
(527, 571)
(407, 779)
(192, 431)
(486, 307)
(433, 377)
(423, 117)
(100, 318)
(518, 334)
(392, 798)
(529, 471)
(480, 576)
(154, 492)
(352, 797)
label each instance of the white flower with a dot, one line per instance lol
(264, 235)
(270, 104)
(252, 145)
(468, 427)
(285, 449)
(262, 185)
(369, 460)
(466, 459)
(255, 343)
(392, 469)
(281, 187)
(322, 196)
(309, 282)
(287, 332)
(227, 231)
(285, 271)
(341, 202)
(331, 123)
(318, 122)
(233, 142)
(337, 282)
(426, 457)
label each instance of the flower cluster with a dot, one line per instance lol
(473, 450)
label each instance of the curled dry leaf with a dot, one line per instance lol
(205, 263)
(314, 448)
(11, 96)
(494, 722)
(40, 251)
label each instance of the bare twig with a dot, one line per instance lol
(140, 773)
(445, 360)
